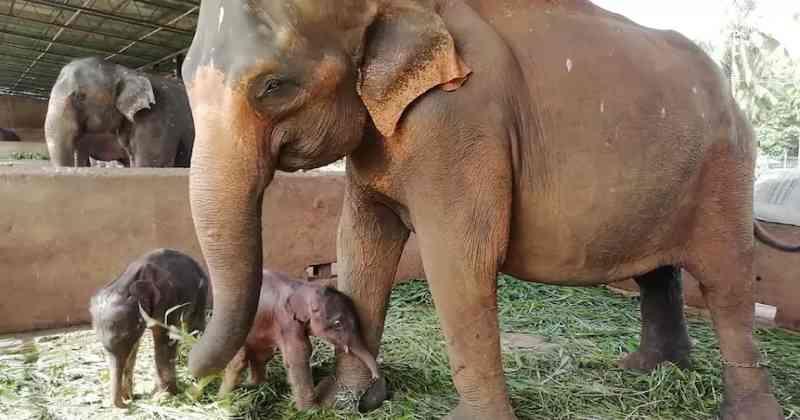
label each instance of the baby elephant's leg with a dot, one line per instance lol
(127, 372)
(165, 352)
(258, 362)
(296, 353)
(233, 373)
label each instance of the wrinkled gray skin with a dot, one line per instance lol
(107, 112)
(289, 311)
(548, 139)
(7, 134)
(158, 281)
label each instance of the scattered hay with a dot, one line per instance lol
(585, 331)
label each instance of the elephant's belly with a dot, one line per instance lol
(598, 238)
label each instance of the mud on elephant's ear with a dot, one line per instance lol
(408, 51)
(134, 93)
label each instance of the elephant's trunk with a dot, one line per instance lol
(230, 169)
(60, 130)
(362, 353)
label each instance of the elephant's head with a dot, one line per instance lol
(329, 314)
(290, 85)
(103, 93)
(92, 95)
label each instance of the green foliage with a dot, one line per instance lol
(764, 78)
(29, 156)
(574, 375)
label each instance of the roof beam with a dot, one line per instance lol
(77, 29)
(20, 58)
(117, 18)
(17, 70)
(67, 44)
(154, 31)
(27, 83)
(163, 59)
(26, 48)
(49, 45)
(159, 5)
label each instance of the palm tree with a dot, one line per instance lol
(747, 56)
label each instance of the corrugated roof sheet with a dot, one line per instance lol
(37, 37)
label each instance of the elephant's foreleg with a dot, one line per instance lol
(462, 274)
(462, 250)
(233, 373)
(165, 352)
(370, 243)
(258, 364)
(61, 131)
(664, 337)
(82, 158)
(296, 351)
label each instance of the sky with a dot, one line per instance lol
(704, 19)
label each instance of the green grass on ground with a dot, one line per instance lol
(571, 375)
(29, 156)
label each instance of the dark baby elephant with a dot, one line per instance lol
(289, 311)
(108, 112)
(158, 281)
(7, 134)
(554, 141)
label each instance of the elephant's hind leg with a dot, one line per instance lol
(726, 284)
(664, 337)
(720, 257)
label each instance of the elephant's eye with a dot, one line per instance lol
(337, 324)
(270, 87)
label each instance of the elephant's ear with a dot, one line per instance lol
(408, 51)
(152, 286)
(134, 93)
(146, 294)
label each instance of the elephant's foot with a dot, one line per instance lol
(170, 388)
(760, 405)
(645, 361)
(305, 403)
(371, 393)
(467, 412)
(353, 381)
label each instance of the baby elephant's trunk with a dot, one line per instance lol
(361, 352)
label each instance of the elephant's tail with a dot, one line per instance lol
(762, 235)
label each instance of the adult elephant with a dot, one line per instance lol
(554, 141)
(108, 112)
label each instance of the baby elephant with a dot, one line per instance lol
(158, 281)
(288, 312)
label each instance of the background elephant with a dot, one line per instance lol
(553, 141)
(108, 112)
(7, 134)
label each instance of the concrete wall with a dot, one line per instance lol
(65, 232)
(24, 115)
(21, 112)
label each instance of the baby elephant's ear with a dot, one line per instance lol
(145, 289)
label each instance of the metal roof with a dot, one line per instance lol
(37, 37)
